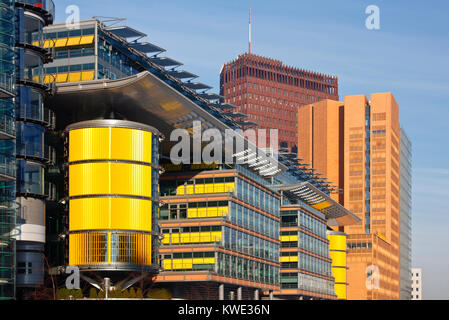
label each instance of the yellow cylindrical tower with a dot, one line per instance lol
(337, 251)
(113, 195)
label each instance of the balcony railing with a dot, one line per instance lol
(50, 191)
(7, 166)
(6, 83)
(36, 150)
(46, 5)
(7, 125)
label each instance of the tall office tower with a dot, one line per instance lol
(269, 93)
(33, 155)
(7, 154)
(416, 279)
(406, 215)
(320, 141)
(368, 168)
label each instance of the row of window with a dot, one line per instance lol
(192, 229)
(315, 265)
(251, 194)
(71, 33)
(237, 267)
(239, 241)
(313, 245)
(71, 68)
(307, 283)
(74, 52)
(253, 220)
(359, 245)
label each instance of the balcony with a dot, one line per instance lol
(36, 151)
(7, 127)
(45, 7)
(7, 168)
(6, 85)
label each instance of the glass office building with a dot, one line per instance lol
(33, 155)
(7, 150)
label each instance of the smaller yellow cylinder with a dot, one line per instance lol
(337, 252)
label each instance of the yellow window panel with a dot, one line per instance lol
(230, 186)
(223, 211)
(47, 44)
(167, 264)
(88, 75)
(209, 260)
(293, 259)
(284, 259)
(205, 237)
(74, 76)
(61, 77)
(189, 189)
(192, 213)
(61, 42)
(195, 237)
(219, 188)
(180, 190)
(35, 43)
(212, 212)
(216, 236)
(208, 188)
(166, 240)
(87, 39)
(174, 238)
(198, 261)
(202, 212)
(199, 188)
(73, 41)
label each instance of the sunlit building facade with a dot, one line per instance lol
(269, 93)
(357, 144)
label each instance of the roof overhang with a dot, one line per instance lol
(334, 212)
(146, 99)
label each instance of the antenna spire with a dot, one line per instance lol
(249, 43)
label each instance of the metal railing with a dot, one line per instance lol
(46, 5)
(7, 124)
(7, 166)
(37, 150)
(6, 82)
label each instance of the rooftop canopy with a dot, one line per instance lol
(147, 99)
(146, 47)
(197, 85)
(126, 32)
(165, 61)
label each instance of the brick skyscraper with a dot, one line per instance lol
(270, 93)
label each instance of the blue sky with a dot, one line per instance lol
(408, 56)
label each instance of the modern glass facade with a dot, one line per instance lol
(306, 269)
(235, 217)
(7, 150)
(406, 216)
(32, 152)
